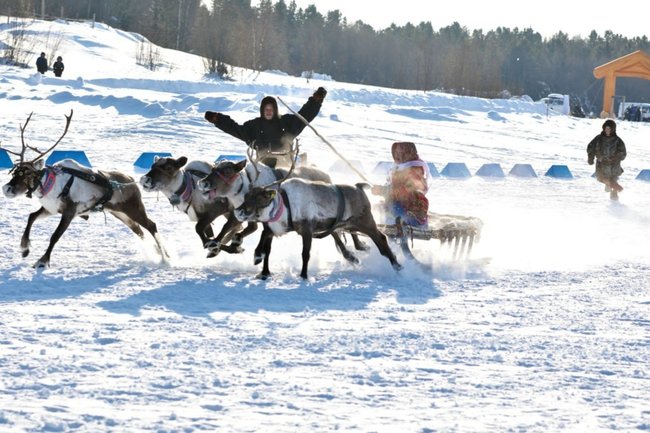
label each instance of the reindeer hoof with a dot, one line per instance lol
(397, 267)
(212, 254)
(213, 246)
(258, 259)
(352, 259)
(262, 276)
(41, 264)
(361, 246)
(25, 253)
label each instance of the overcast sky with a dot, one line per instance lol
(575, 17)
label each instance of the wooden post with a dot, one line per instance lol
(608, 93)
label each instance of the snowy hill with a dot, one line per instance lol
(552, 335)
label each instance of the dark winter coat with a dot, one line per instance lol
(274, 135)
(608, 151)
(41, 65)
(58, 68)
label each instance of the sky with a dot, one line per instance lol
(577, 17)
(544, 329)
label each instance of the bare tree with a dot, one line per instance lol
(17, 45)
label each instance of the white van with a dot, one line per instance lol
(556, 102)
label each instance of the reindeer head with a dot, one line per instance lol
(259, 205)
(264, 203)
(162, 172)
(26, 175)
(221, 178)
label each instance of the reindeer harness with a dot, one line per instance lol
(95, 178)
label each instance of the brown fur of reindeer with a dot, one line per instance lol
(71, 189)
(176, 178)
(313, 210)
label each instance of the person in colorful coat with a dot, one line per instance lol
(408, 183)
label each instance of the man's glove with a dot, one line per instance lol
(211, 116)
(590, 160)
(319, 95)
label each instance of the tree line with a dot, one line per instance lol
(279, 35)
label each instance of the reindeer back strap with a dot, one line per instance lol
(340, 211)
(96, 178)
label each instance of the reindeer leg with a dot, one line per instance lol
(382, 244)
(66, 219)
(24, 241)
(343, 250)
(263, 251)
(359, 245)
(235, 245)
(203, 228)
(306, 251)
(134, 209)
(217, 244)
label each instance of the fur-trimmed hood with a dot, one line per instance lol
(266, 101)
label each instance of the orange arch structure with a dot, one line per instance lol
(633, 65)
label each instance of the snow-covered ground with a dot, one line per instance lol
(551, 336)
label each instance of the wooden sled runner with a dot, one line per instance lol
(456, 231)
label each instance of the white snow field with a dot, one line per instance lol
(553, 335)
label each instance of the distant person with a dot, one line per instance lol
(271, 135)
(634, 114)
(406, 189)
(608, 150)
(41, 64)
(58, 67)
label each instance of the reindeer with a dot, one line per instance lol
(313, 210)
(71, 189)
(177, 179)
(234, 179)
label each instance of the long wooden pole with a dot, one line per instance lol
(324, 140)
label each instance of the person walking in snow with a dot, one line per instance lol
(41, 64)
(58, 67)
(271, 135)
(608, 150)
(405, 191)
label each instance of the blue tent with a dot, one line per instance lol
(643, 175)
(522, 170)
(382, 168)
(5, 160)
(559, 172)
(77, 155)
(490, 170)
(233, 158)
(456, 169)
(146, 159)
(433, 170)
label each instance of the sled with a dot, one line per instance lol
(458, 232)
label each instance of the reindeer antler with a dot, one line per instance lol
(21, 154)
(65, 131)
(252, 158)
(293, 165)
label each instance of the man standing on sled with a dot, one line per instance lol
(609, 150)
(271, 135)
